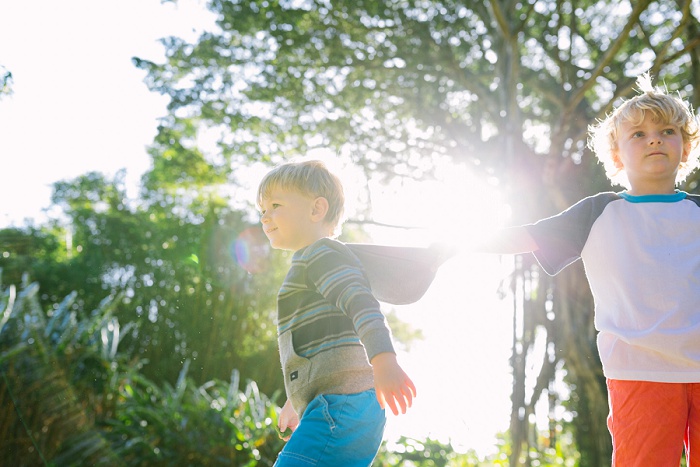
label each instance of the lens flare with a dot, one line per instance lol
(251, 250)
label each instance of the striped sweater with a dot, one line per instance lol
(330, 325)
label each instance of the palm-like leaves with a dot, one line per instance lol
(70, 398)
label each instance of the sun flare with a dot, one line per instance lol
(467, 328)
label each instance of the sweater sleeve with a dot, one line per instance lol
(339, 277)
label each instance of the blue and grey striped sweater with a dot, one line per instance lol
(330, 325)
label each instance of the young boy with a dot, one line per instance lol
(340, 368)
(641, 252)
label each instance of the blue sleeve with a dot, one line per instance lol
(561, 238)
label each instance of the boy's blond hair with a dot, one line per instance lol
(310, 178)
(663, 107)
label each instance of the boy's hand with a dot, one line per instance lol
(393, 386)
(289, 420)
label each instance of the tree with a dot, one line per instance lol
(505, 86)
(195, 279)
(174, 253)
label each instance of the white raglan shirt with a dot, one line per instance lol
(642, 260)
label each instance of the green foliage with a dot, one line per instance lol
(392, 84)
(213, 424)
(195, 278)
(551, 449)
(57, 372)
(69, 397)
(403, 333)
(409, 452)
(39, 250)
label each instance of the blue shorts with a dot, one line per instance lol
(336, 430)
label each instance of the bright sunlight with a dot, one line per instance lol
(467, 328)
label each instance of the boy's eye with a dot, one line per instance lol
(272, 206)
(637, 134)
(669, 131)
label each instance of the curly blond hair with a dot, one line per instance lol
(663, 107)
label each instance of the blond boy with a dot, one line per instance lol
(641, 252)
(339, 365)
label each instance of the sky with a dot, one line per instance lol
(80, 105)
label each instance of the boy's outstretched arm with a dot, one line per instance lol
(507, 241)
(393, 386)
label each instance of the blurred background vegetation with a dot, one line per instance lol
(132, 332)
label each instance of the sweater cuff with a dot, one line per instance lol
(377, 341)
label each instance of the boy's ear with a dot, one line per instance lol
(319, 209)
(686, 152)
(616, 159)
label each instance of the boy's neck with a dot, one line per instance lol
(651, 188)
(313, 239)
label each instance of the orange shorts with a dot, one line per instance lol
(650, 423)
